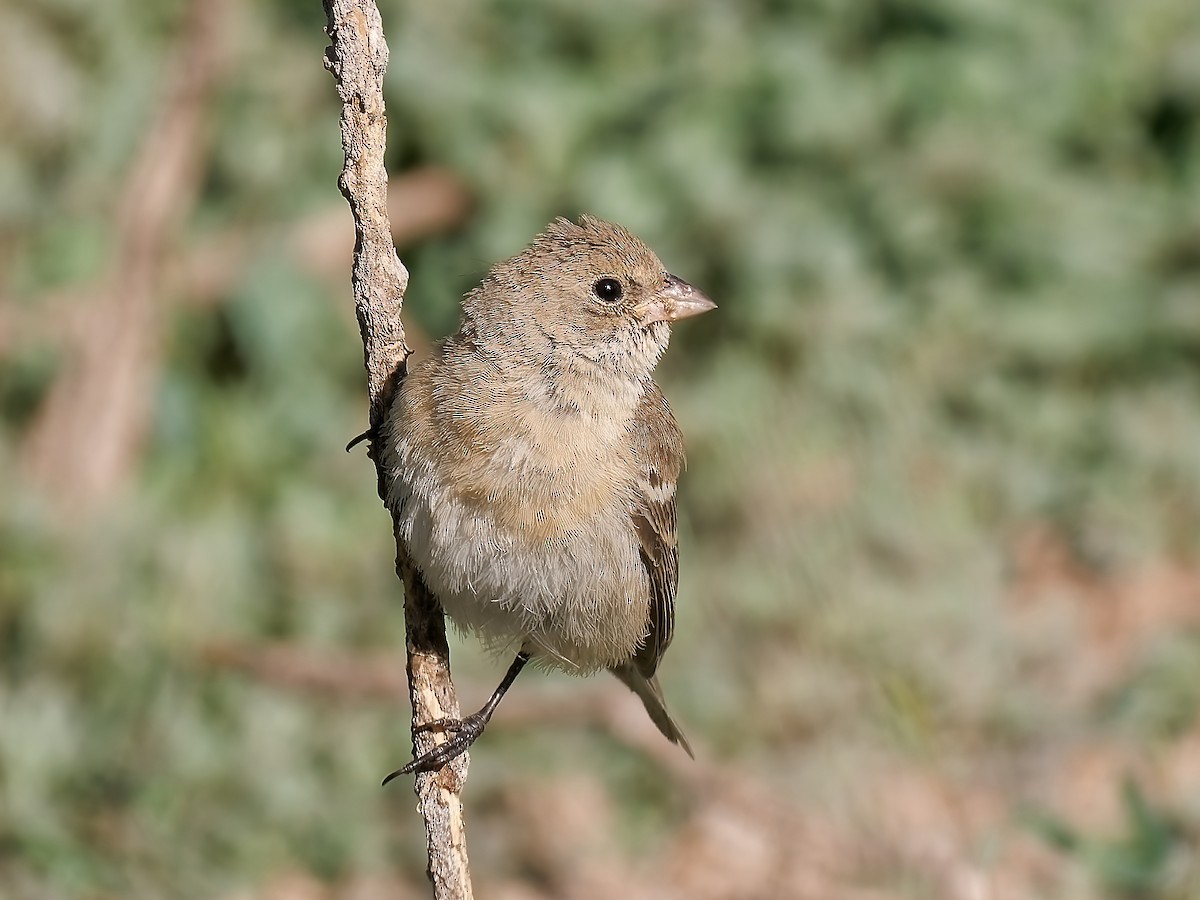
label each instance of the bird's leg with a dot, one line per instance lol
(464, 730)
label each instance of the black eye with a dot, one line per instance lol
(608, 289)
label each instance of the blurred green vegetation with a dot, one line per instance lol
(956, 248)
(1148, 860)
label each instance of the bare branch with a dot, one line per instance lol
(357, 57)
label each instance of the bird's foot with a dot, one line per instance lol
(463, 733)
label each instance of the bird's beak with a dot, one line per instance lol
(677, 300)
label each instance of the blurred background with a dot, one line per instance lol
(940, 607)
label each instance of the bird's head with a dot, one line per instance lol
(591, 290)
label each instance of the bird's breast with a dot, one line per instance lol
(538, 472)
(539, 493)
(518, 516)
(525, 543)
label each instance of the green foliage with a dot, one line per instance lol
(1148, 861)
(956, 248)
(1161, 698)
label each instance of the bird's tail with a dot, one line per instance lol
(652, 698)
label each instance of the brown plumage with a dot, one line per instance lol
(534, 461)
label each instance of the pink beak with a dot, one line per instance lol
(677, 300)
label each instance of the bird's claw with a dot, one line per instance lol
(464, 732)
(443, 724)
(369, 434)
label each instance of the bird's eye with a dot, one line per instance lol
(608, 289)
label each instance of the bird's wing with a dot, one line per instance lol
(659, 448)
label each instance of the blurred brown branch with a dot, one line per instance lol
(287, 666)
(350, 678)
(421, 203)
(88, 430)
(357, 57)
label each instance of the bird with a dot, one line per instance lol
(531, 462)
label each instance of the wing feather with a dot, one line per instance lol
(659, 448)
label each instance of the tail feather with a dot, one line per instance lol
(651, 696)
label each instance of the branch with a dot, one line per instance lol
(357, 57)
(89, 430)
(421, 203)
